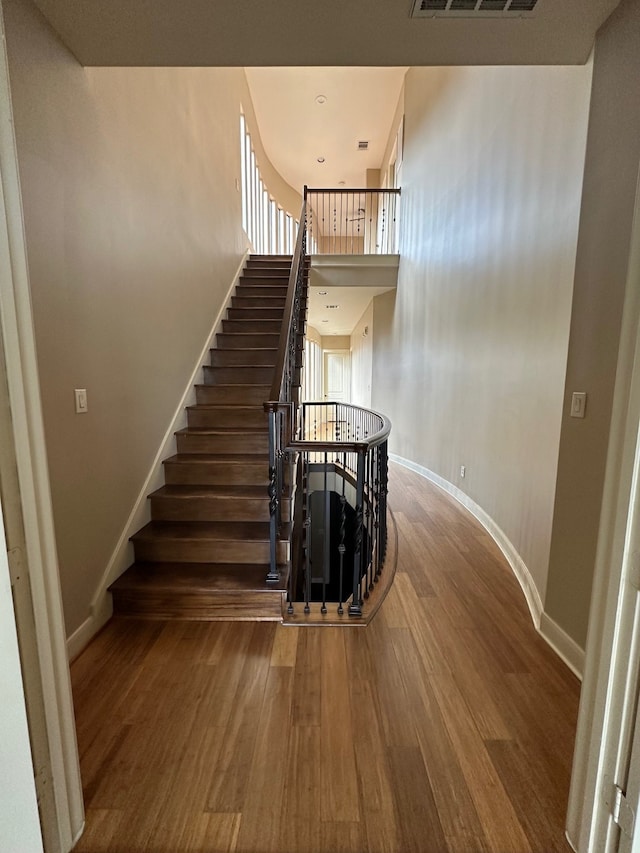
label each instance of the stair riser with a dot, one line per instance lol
(261, 291)
(271, 302)
(254, 327)
(227, 341)
(229, 358)
(201, 607)
(217, 474)
(238, 375)
(247, 443)
(234, 416)
(199, 551)
(215, 508)
(246, 395)
(255, 313)
(268, 274)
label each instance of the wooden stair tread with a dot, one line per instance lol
(204, 458)
(267, 388)
(236, 367)
(235, 350)
(215, 490)
(219, 531)
(214, 504)
(220, 430)
(250, 407)
(198, 578)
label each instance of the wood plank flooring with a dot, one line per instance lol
(445, 726)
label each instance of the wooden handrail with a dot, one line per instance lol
(392, 191)
(278, 376)
(350, 446)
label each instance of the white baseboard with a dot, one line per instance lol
(82, 636)
(563, 645)
(560, 642)
(122, 556)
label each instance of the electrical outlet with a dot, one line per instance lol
(463, 471)
(81, 401)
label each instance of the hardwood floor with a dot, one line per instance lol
(445, 726)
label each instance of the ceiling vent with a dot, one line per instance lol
(472, 8)
(363, 145)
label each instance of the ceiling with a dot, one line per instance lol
(304, 32)
(296, 130)
(349, 304)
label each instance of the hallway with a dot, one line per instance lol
(445, 726)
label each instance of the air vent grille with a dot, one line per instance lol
(472, 8)
(363, 145)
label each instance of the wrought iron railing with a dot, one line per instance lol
(284, 395)
(329, 461)
(352, 221)
(342, 464)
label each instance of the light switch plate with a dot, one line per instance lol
(81, 401)
(578, 404)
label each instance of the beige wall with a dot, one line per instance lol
(133, 231)
(336, 342)
(362, 359)
(470, 355)
(288, 198)
(610, 180)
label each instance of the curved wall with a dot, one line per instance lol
(470, 353)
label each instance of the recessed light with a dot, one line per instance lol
(320, 159)
(325, 321)
(321, 99)
(322, 292)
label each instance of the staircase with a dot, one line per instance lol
(205, 553)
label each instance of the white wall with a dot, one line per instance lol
(470, 355)
(133, 230)
(362, 359)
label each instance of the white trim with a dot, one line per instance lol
(35, 495)
(610, 689)
(82, 636)
(566, 649)
(122, 556)
(563, 645)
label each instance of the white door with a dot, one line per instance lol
(337, 375)
(606, 771)
(19, 821)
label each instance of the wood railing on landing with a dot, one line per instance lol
(344, 221)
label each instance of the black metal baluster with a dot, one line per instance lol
(273, 574)
(376, 492)
(355, 608)
(367, 513)
(326, 555)
(343, 527)
(335, 222)
(384, 477)
(307, 535)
